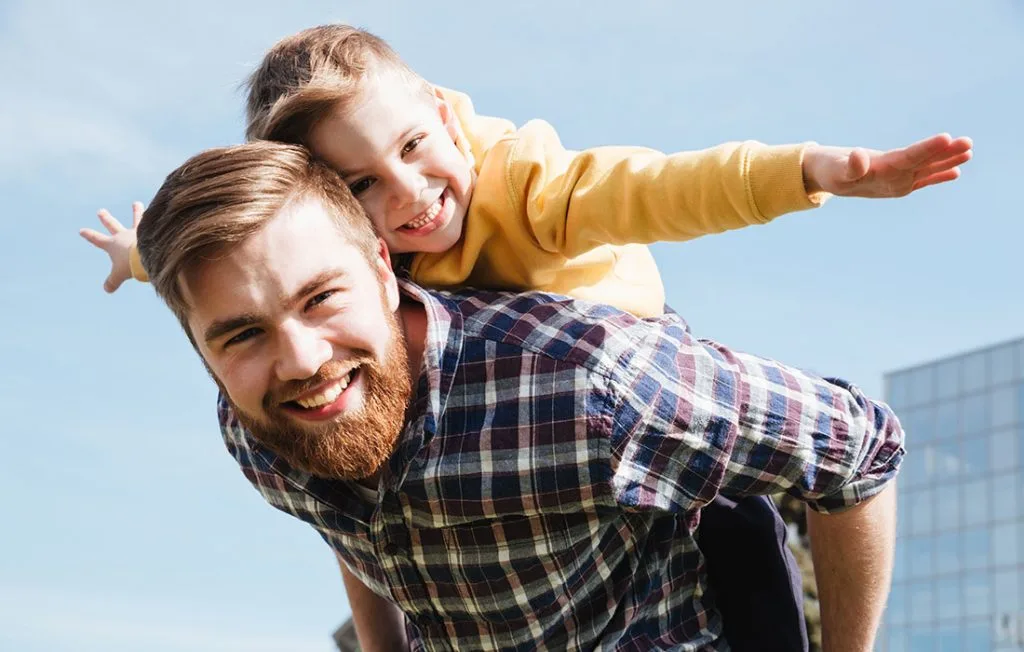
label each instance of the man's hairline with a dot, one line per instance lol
(295, 200)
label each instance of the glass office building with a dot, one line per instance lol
(959, 577)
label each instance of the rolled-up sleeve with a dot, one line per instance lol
(695, 419)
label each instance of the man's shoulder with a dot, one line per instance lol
(596, 336)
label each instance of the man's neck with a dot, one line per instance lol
(413, 318)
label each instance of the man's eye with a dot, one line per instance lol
(245, 335)
(411, 145)
(361, 185)
(319, 298)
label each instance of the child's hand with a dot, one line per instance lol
(858, 172)
(117, 245)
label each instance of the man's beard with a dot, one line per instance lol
(350, 446)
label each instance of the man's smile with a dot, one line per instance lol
(326, 401)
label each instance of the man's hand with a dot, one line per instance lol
(118, 244)
(859, 172)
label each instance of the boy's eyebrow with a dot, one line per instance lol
(221, 327)
(404, 135)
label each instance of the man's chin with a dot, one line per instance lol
(343, 449)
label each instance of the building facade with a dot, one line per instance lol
(958, 581)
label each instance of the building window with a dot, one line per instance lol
(975, 502)
(1004, 364)
(1005, 497)
(947, 506)
(947, 598)
(921, 512)
(947, 422)
(975, 415)
(977, 593)
(976, 457)
(949, 639)
(948, 378)
(946, 463)
(896, 393)
(922, 385)
(896, 640)
(1004, 450)
(920, 551)
(978, 636)
(921, 602)
(1005, 545)
(976, 546)
(975, 372)
(1003, 406)
(1006, 590)
(947, 553)
(896, 605)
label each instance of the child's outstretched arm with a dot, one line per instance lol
(119, 245)
(574, 201)
(858, 172)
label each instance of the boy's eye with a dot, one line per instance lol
(361, 186)
(411, 145)
(244, 336)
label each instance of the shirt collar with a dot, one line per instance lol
(441, 353)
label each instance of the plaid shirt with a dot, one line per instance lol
(545, 490)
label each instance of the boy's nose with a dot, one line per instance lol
(407, 188)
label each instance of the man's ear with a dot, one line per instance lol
(382, 263)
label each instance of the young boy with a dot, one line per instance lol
(476, 201)
(541, 217)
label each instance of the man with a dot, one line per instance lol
(498, 471)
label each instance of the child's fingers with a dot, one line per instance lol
(137, 210)
(110, 285)
(939, 177)
(920, 152)
(943, 165)
(109, 221)
(95, 238)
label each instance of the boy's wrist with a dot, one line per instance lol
(810, 169)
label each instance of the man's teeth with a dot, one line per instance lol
(428, 215)
(328, 395)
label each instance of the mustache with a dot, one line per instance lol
(330, 370)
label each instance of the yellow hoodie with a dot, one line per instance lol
(546, 218)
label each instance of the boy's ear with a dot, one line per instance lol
(447, 113)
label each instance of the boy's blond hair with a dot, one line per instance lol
(304, 77)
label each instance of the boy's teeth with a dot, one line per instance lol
(328, 395)
(427, 216)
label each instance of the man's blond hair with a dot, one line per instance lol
(220, 197)
(306, 76)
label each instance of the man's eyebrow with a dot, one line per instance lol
(312, 284)
(222, 327)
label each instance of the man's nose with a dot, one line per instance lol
(302, 351)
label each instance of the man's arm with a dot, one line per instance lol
(853, 557)
(380, 624)
(698, 419)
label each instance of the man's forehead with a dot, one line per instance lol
(296, 245)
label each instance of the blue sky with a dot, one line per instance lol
(126, 525)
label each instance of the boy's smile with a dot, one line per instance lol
(394, 145)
